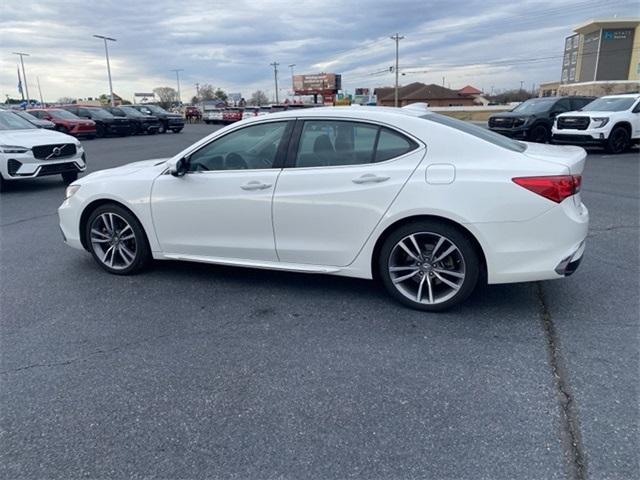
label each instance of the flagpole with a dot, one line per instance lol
(20, 83)
(40, 90)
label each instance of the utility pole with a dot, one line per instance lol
(106, 52)
(198, 91)
(521, 83)
(178, 70)
(397, 39)
(24, 74)
(275, 76)
(40, 91)
(293, 92)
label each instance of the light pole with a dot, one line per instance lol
(106, 52)
(291, 66)
(24, 74)
(275, 76)
(397, 38)
(178, 70)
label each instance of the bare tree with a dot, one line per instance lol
(167, 96)
(258, 98)
(206, 92)
(66, 100)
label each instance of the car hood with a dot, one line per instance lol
(512, 115)
(567, 155)
(35, 136)
(127, 169)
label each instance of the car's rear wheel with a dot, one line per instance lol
(429, 265)
(618, 141)
(69, 177)
(539, 134)
(117, 240)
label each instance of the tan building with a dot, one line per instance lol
(601, 52)
(434, 95)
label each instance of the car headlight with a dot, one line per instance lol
(70, 191)
(600, 121)
(13, 149)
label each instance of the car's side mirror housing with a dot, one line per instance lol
(180, 167)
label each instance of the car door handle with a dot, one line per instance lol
(255, 185)
(370, 178)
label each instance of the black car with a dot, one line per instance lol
(168, 120)
(532, 120)
(35, 120)
(106, 123)
(140, 123)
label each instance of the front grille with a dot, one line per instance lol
(573, 123)
(57, 168)
(13, 165)
(54, 152)
(578, 139)
(501, 122)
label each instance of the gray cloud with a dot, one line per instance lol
(231, 43)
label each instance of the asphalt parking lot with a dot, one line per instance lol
(192, 371)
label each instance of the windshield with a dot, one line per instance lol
(10, 121)
(27, 116)
(535, 105)
(131, 111)
(100, 113)
(64, 114)
(156, 109)
(476, 131)
(610, 104)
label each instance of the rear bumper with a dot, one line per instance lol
(546, 247)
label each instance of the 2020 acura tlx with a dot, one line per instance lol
(426, 204)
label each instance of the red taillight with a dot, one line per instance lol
(555, 187)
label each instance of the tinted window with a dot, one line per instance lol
(562, 105)
(578, 103)
(478, 132)
(326, 143)
(64, 114)
(37, 113)
(392, 144)
(535, 105)
(252, 147)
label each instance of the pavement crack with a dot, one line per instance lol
(23, 220)
(569, 424)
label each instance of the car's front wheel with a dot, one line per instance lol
(162, 128)
(618, 141)
(69, 177)
(117, 240)
(429, 265)
(539, 134)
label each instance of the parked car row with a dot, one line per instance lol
(234, 114)
(612, 121)
(89, 121)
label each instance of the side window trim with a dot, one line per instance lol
(294, 143)
(279, 159)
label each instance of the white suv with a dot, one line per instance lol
(612, 122)
(27, 152)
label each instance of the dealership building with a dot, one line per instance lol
(601, 57)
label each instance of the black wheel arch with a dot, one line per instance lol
(624, 124)
(404, 221)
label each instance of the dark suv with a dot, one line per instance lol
(140, 123)
(106, 124)
(532, 120)
(168, 120)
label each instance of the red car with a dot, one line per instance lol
(230, 115)
(66, 122)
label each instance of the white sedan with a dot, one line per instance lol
(424, 203)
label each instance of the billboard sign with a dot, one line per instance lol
(316, 83)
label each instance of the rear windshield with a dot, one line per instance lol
(610, 104)
(476, 131)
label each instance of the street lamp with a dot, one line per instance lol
(178, 70)
(24, 74)
(291, 66)
(106, 52)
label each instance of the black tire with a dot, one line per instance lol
(162, 128)
(466, 251)
(69, 177)
(3, 184)
(176, 130)
(100, 131)
(142, 251)
(618, 141)
(539, 133)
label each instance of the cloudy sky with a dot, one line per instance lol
(230, 44)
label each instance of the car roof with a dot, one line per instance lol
(623, 95)
(381, 113)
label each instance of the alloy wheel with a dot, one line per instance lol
(427, 268)
(113, 241)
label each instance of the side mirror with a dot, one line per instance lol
(180, 168)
